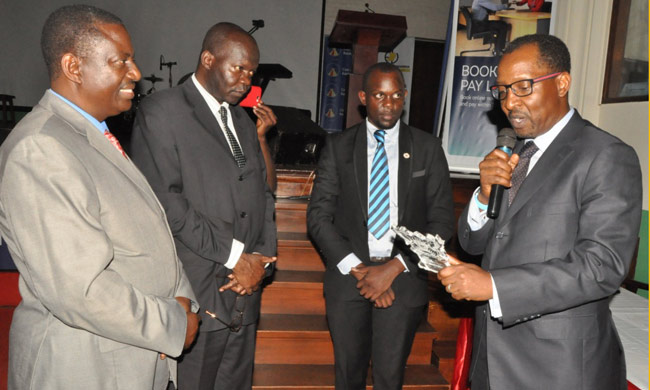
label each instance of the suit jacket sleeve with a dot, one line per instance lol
(67, 253)
(473, 242)
(153, 147)
(322, 208)
(609, 205)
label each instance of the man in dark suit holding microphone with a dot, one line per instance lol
(377, 174)
(563, 240)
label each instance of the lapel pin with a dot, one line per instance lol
(406, 155)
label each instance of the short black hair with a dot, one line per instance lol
(552, 51)
(218, 34)
(383, 67)
(72, 29)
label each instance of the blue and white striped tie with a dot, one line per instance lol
(378, 193)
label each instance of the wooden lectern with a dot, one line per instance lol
(367, 33)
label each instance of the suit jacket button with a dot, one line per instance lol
(240, 178)
(500, 235)
(243, 214)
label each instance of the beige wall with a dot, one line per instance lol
(584, 26)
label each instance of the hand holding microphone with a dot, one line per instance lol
(496, 170)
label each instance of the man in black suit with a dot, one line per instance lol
(375, 293)
(562, 243)
(202, 157)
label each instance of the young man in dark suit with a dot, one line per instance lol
(371, 176)
(201, 155)
(562, 243)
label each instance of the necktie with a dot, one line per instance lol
(114, 141)
(519, 174)
(234, 145)
(378, 193)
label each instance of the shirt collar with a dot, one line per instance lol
(212, 102)
(101, 126)
(544, 141)
(391, 134)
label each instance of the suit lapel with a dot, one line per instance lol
(404, 171)
(204, 115)
(100, 143)
(551, 161)
(360, 163)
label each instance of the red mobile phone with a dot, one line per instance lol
(253, 97)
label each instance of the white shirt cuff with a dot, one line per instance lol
(495, 305)
(236, 250)
(399, 257)
(476, 218)
(348, 263)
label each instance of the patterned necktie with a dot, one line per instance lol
(234, 145)
(521, 170)
(378, 193)
(114, 141)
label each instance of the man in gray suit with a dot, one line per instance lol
(201, 154)
(562, 243)
(104, 297)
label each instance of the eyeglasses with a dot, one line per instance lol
(520, 88)
(236, 322)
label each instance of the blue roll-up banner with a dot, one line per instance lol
(473, 117)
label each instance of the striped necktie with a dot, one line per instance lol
(378, 193)
(234, 145)
(114, 141)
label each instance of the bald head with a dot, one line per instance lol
(220, 34)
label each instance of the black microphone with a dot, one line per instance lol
(505, 141)
(162, 59)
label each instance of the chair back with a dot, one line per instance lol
(467, 14)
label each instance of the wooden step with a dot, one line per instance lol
(291, 215)
(293, 339)
(444, 357)
(305, 339)
(294, 292)
(317, 377)
(296, 253)
(294, 182)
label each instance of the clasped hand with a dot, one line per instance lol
(374, 283)
(248, 273)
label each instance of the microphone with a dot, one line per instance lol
(162, 59)
(505, 141)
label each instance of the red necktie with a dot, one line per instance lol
(114, 141)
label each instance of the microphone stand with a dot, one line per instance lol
(169, 66)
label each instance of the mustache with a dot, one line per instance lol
(516, 114)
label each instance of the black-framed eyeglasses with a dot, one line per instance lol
(237, 319)
(520, 88)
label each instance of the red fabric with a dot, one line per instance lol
(6, 313)
(9, 299)
(463, 354)
(9, 295)
(630, 386)
(533, 5)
